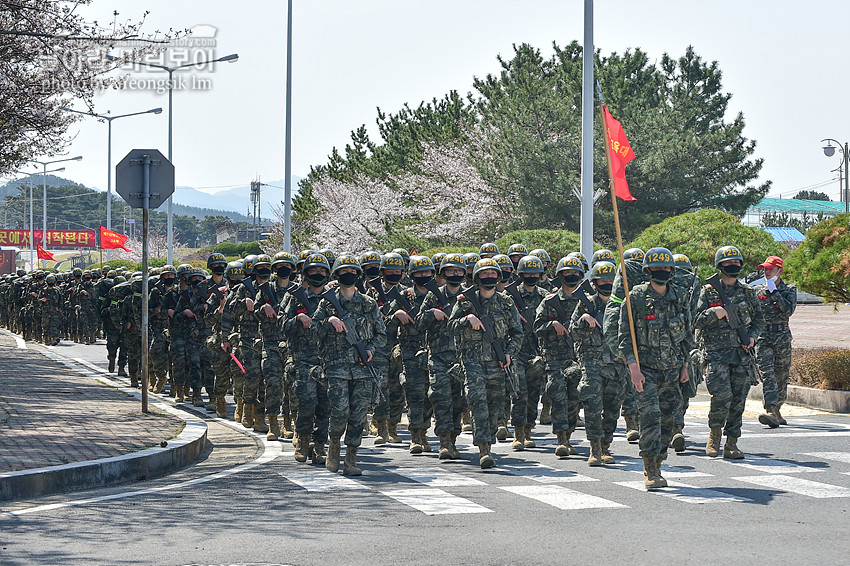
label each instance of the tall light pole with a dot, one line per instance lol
(287, 193)
(44, 165)
(232, 58)
(32, 230)
(829, 151)
(587, 114)
(109, 120)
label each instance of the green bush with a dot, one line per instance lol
(821, 265)
(699, 234)
(558, 243)
(241, 250)
(115, 263)
(821, 368)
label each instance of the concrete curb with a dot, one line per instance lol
(823, 399)
(137, 466)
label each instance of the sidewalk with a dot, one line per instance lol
(61, 430)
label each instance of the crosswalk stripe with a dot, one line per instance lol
(545, 474)
(432, 501)
(562, 498)
(436, 477)
(797, 485)
(321, 480)
(836, 456)
(769, 465)
(688, 493)
(668, 471)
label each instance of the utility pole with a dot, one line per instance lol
(255, 201)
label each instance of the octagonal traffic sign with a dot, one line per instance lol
(130, 177)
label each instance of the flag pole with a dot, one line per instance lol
(623, 270)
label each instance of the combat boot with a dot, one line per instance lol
(237, 414)
(502, 431)
(677, 443)
(111, 365)
(527, 437)
(332, 461)
(632, 428)
(658, 461)
(466, 420)
(247, 415)
(392, 433)
(778, 416)
(485, 460)
(286, 429)
(274, 428)
(445, 446)
(382, 436)
(160, 385)
(260, 420)
(455, 455)
(519, 439)
(562, 451)
(768, 417)
(197, 398)
(415, 446)
(570, 447)
(712, 447)
(180, 396)
(423, 440)
(221, 407)
(373, 426)
(302, 447)
(731, 450)
(651, 477)
(134, 381)
(607, 458)
(121, 371)
(349, 466)
(595, 457)
(546, 414)
(318, 455)
(210, 406)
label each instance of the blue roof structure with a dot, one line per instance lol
(785, 234)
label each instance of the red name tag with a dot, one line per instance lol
(649, 317)
(716, 305)
(439, 308)
(300, 311)
(762, 297)
(553, 318)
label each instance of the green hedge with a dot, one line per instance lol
(241, 250)
(558, 243)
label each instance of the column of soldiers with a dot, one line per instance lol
(462, 341)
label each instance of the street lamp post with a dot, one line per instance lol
(287, 193)
(232, 58)
(829, 151)
(109, 120)
(44, 165)
(32, 230)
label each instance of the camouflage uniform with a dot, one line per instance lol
(131, 315)
(689, 286)
(161, 300)
(728, 369)
(388, 363)
(115, 297)
(239, 323)
(222, 364)
(529, 367)
(662, 333)
(773, 346)
(350, 387)
(274, 348)
(51, 313)
(484, 379)
(184, 342)
(87, 314)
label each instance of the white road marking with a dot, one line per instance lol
(20, 342)
(688, 493)
(667, 471)
(798, 485)
(560, 497)
(323, 480)
(836, 456)
(769, 465)
(436, 477)
(433, 501)
(545, 474)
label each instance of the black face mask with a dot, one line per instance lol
(488, 282)
(455, 279)
(571, 280)
(284, 272)
(194, 282)
(422, 280)
(264, 273)
(218, 269)
(393, 278)
(347, 279)
(530, 281)
(605, 289)
(506, 276)
(88, 279)
(51, 284)
(317, 279)
(660, 276)
(233, 282)
(168, 282)
(731, 270)
(372, 271)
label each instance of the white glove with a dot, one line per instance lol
(771, 284)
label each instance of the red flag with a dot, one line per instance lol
(620, 153)
(42, 253)
(110, 240)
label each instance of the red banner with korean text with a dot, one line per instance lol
(55, 238)
(620, 154)
(110, 240)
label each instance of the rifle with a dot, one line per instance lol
(732, 317)
(411, 310)
(522, 307)
(434, 288)
(491, 338)
(353, 339)
(581, 293)
(268, 294)
(300, 294)
(379, 288)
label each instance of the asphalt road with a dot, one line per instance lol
(786, 503)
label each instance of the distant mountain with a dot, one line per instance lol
(238, 199)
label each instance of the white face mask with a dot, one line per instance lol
(774, 278)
